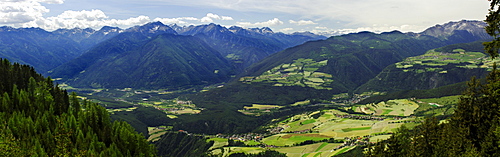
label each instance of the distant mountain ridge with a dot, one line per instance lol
(245, 46)
(438, 67)
(36, 47)
(162, 62)
(89, 37)
(238, 50)
(351, 61)
(318, 70)
(475, 28)
(72, 43)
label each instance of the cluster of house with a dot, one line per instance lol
(243, 137)
(275, 130)
(359, 117)
(354, 141)
(184, 102)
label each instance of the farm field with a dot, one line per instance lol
(437, 59)
(355, 128)
(156, 132)
(371, 123)
(257, 109)
(400, 107)
(317, 149)
(303, 72)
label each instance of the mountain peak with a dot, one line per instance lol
(476, 28)
(263, 30)
(204, 29)
(152, 28)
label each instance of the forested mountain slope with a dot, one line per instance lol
(438, 67)
(36, 47)
(130, 40)
(165, 61)
(40, 119)
(315, 71)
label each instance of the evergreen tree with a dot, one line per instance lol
(39, 121)
(474, 128)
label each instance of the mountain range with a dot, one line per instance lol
(46, 50)
(258, 65)
(351, 63)
(205, 54)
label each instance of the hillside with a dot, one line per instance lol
(37, 47)
(94, 68)
(244, 46)
(438, 67)
(316, 71)
(40, 119)
(165, 61)
(88, 37)
(130, 40)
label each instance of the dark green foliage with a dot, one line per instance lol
(353, 59)
(493, 29)
(236, 143)
(142, 117)
(112, 48)
(165, 61)
(178, 144)
(473, 128)
(356, 152)
(395, 79)
(476, 46)
(40, 119)
(222, 116)
(449, 90)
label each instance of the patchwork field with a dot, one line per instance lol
(257, 109)
(303, 72)
(400, 107)
(156, 132)
(436, 59)
(317, 149)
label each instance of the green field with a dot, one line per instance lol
(400, 107)
(290, 139)
(433, 60)
(303, 72)
(325, 149)
(218, 142)
(226, 151)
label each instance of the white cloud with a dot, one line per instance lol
(52, 1)
(209, 18)
(321, 27)
(83, 15)
(302, 22)
(272, 22)
(286, 30)
(358, 13)
(21, 11)
(83, 19)
(374, 28)
(30, 13)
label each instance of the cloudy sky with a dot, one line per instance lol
(287, 16)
